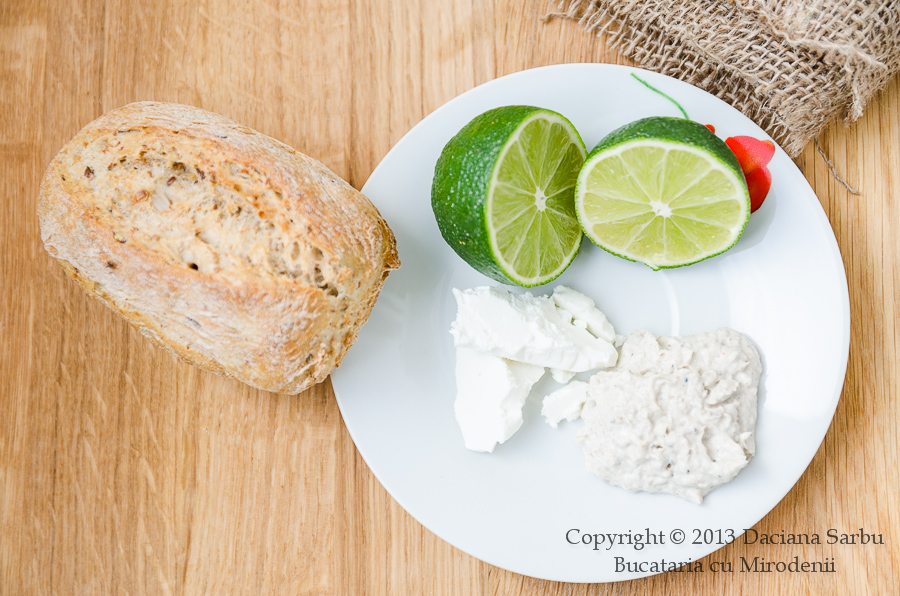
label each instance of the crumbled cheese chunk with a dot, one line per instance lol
(562, 376)
(565, 403)
(532, 329)
(490, 393)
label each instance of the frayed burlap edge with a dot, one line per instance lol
(790, 65)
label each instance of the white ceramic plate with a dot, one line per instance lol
(783, 285)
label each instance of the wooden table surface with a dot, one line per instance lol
(124, 471)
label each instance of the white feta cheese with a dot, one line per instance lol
(562, 376)
(565, 403)
(584, 312)
(530, 329)
(490, 393)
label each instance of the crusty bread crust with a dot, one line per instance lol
(224, 246)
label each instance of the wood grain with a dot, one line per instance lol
(123, 470)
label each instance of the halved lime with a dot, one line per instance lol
(503, 194)
(665, 192)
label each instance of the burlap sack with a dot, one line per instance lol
(790, 65)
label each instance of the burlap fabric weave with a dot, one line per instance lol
(790, 65)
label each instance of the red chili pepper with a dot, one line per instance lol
(759, 181)
(751, 153)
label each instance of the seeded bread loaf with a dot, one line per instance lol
(228, 248)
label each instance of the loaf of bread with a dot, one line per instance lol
(228, 248)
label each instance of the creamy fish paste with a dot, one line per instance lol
(677, 415)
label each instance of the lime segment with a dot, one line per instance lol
(665, 192)
(504, 191)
